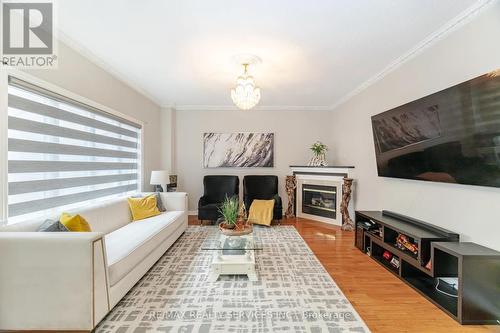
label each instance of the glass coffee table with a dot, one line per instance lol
(232, 255)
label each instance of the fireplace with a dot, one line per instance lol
(319, 200)
(319, 192)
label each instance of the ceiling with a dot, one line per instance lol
(315, 54)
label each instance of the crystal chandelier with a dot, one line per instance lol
(494, 73)
(245, 95)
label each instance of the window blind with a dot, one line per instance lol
(63, 154)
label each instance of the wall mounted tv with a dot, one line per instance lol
(451, 136)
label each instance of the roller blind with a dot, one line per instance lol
(64, 154)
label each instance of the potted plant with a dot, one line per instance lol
(319, 150)
(229, 210)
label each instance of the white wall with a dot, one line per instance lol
(167, 124)
(81, 76)
(472, 211)
(295, 131)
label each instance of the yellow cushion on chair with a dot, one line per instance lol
(74, 222)
(142, 208)
(261, 212)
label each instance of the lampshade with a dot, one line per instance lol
(160, 177)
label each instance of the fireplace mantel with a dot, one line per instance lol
(334, 170)
(322, 176)
(323, 167)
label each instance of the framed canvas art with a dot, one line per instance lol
(238, 150)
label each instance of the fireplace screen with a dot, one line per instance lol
(319, 200)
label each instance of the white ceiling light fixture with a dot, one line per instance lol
(246, 95)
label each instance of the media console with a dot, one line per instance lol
(463, 279)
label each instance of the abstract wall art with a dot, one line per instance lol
(238, 150)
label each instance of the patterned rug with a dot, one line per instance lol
(294, 292)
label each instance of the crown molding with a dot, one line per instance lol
(257, 108)
(92, 57)
(451, 26)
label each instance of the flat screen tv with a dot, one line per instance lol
(451, 136)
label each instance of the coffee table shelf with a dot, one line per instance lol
(233, 255)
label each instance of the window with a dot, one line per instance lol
(63, 154)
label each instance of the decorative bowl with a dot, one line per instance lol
(239, 230)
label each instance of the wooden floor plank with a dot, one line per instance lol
(385, 303)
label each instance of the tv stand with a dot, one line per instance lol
(433, 263)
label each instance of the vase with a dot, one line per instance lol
(318, 160)
(291, 185)
(347, 222)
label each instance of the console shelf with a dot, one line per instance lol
(473, 269)
(426, 287)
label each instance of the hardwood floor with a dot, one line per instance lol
(384, 302)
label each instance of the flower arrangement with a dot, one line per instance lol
(319, 151)
(319, 148)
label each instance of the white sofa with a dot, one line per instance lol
(71, 280)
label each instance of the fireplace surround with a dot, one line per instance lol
(319, 192)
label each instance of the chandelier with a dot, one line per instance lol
(245, 95)
(494, 73)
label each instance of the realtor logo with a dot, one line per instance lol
(28, 34)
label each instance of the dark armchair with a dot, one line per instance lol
(216, 189)
(263, 188)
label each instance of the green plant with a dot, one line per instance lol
(319, 148)
(229, 210)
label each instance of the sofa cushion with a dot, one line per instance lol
(75, 223)
(52, 226)
(159, 200)
(107, 216)
(143, 208)
(129, 245)
(159, 203)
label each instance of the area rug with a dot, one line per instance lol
(294, 292)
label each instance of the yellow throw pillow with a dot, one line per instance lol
(74, 222)
(142, 208)
(261, 212)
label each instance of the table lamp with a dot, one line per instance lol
(160, 178)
